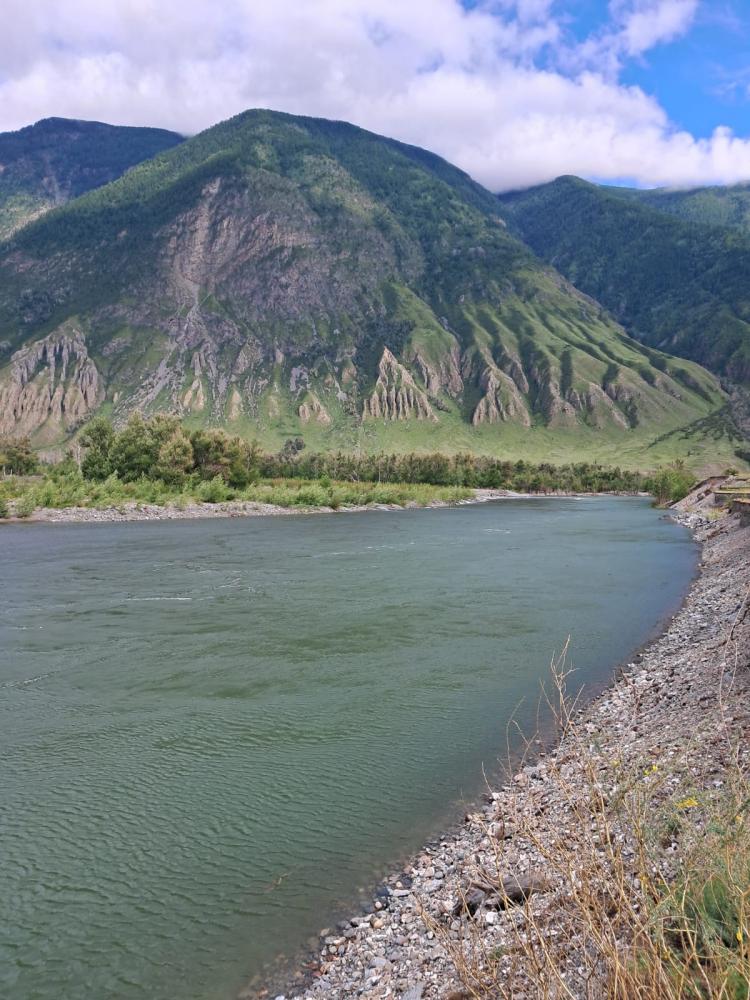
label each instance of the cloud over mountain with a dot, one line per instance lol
(501, 87)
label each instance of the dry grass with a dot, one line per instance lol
(649, 880)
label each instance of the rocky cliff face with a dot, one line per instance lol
(440, 375)
(51, 386)
(311, 408)
(396, 395)
(287, 276)
(501, 401)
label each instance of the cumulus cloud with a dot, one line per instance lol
(497, 87)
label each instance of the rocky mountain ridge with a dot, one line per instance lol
(290, 276)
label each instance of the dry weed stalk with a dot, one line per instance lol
(649, 887)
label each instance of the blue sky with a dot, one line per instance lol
(654, 92)
(701, 79)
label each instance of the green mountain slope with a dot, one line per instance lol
(57, 159)
(678, 286)
(283, 276)
(711, 206)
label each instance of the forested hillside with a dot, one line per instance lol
(287, 276)
(679, 286)
(47, 164)
(713, 206)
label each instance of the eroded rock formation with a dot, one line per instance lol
(396, 395)
(501, 400)
(442, 375)
(49, 381)
(312, 409)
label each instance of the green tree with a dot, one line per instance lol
(175, 459)
(209, 452)
(17, 456)
(97, 439)
(292, 446)
(135, 450)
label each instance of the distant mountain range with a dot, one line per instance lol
(713, 206)
(286, 276)
(47, 164)
(675, 283)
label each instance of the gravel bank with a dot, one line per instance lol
(192, 511)
(671, 718)
(246, 508)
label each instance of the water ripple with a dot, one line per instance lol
(204, 754)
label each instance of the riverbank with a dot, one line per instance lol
(592, 834)
(193, 510)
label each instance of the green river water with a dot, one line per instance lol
(214, 734)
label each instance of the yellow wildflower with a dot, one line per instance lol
(688, 803)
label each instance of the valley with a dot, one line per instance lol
(282, 276)
(223, 728)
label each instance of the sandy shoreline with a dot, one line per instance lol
(247, 508)
(674, 711)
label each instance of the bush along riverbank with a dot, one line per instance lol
(157, 467)
(617, 865)
(70, 497)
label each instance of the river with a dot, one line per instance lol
(215, 734)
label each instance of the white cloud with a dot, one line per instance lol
(635, 26)
(498, 89)
(651, 22)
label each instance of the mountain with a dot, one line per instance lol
(676, 285)
(712, 206)
(49, 163)
(287, 276)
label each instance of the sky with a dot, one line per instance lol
(516, 92)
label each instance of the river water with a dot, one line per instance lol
(213, 734)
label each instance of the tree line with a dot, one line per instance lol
(161, 448)
(462, 469)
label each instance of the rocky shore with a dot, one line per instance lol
(195, 511)
(458, 921)
(132, 511)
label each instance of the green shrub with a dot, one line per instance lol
(311, 496)
(282, 496)
(62, 489)
(213, 491)
(26, 505)
(670, 483)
